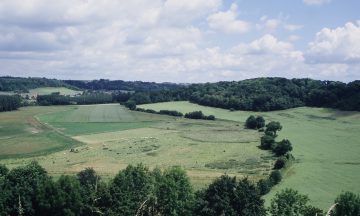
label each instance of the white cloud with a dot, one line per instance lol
(292, 27)
(316, 2)
(228, 21)
(338, 45)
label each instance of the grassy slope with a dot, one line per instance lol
(49, 90)
(326, 144)
(21, 134)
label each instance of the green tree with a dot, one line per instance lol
(130, 189)
(3, 170)
(251, 122)
(282, 147)
(264, 186)
(130, 104)
(267, 142)
(88, 177)
(288, 202)
(275, 177)
(348, 204)
(260, 122)
(174, 192)
(273, 127)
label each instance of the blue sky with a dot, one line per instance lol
(180, 40)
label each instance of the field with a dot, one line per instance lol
(109, 137)
(113, 137)
(49, 90)
(326, 145)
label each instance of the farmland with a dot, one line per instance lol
(326, 146)
(109, 137)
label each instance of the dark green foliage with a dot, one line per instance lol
(3, 170)
(251, 122)
(289, 202)
(264, 186)
(129, 189)
(19, 84)
(87, 98)
(173, 192)
(198, 115)
(9, 102)
(282, 147)
(267, 142)
(131, 105)
(311, 211)
(88, 177)
(227, 197)
(272, 128)
(22, 183)
(348, 204)
(275, 177)
(170, 112)
(255, 123)
(280, 163)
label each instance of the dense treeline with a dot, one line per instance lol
(104, 84)
(199, 115)
(265, 94)
(87, 98)
(136, 190)
(262, 94)
(9, 102)
(20, 84)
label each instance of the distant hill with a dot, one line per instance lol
(259, 94)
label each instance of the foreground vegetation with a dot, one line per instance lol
(136, 190)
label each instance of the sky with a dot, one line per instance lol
(184, 41)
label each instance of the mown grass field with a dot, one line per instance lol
(326, 145)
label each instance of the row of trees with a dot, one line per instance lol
(136, 190)
(87, 98)
(9, 102)
(199, 115)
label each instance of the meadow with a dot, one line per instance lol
(49, 90)
(109, 137)
(326, 147)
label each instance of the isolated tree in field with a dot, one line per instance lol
(347, 204)
(131, 105)
(282, 147)
(272, 128)
(288, 202)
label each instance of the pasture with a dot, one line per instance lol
(326, 145)
(113, 137)
(49, 90)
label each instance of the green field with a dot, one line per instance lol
(49, 90)
(326, 145)
(109, 137)
(114, 137)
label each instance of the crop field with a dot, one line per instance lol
(326, 145)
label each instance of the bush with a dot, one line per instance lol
(199, 115)
(282, 147)
(348, 203)
(255, 123)
(263, 186)
(275, 177)
(280, 163)
(131, 105)
(267, 142)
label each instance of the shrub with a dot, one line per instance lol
(275, 177)
(348, 203)
(267, 142)
(280, 163)
(282, 147)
